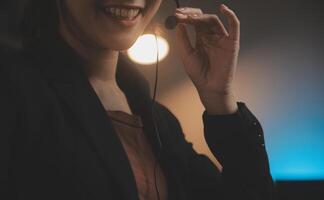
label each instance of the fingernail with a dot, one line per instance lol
(224, 6)
(180, 14)
(192, 16)
(180, 9)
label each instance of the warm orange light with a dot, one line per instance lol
(144, 51)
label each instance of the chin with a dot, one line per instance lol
(119, 44)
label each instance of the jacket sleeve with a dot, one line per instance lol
(237, 141)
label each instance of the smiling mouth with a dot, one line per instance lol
(123, 12)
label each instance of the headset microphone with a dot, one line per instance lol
(171, 22)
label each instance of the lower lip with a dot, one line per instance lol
(125, 22)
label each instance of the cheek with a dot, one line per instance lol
(92, 25)
(78, 14)
(85, 21)
(154, 6)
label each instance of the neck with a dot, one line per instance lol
(100, 67)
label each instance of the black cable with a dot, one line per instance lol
(155, 86)
(152, 109)
(153, 104)
(177, 3)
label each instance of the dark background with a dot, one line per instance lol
(280, 74)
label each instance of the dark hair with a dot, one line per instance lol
(40, 20)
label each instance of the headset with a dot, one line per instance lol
(170, 23)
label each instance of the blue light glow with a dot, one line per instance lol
(296, 150)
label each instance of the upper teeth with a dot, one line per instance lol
(123, 12)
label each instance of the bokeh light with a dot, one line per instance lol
(144, 51)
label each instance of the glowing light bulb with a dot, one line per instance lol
(144, 50)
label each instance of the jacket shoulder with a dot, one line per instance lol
(18, 70)
(8, 89)
(165, 113)
(17, 62)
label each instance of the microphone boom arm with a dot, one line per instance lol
(171, 22)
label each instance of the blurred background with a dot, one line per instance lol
(279, 77)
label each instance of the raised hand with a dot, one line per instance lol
(211, 63)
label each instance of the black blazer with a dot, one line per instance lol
(58, 143)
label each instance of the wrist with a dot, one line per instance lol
(219, 103)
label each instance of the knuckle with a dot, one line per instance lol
(192, 10)
(237, 22)
(236, 18)
(196, 11)
(231, 12)
(215, 18)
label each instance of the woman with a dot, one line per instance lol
(77, 120)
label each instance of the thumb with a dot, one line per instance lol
(183, 43)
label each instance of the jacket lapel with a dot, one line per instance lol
(137, 91)
(62, 69)
(100, 134)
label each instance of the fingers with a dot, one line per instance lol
(233, 22)
(189, 11)
(196, 17)
(183, 42)
(183, 13)
(209, 21)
